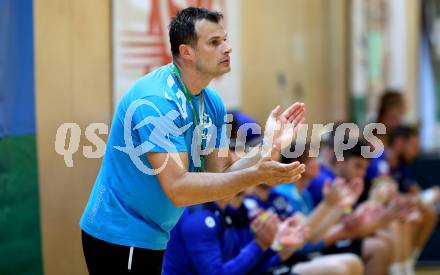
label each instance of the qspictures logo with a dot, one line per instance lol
(161, 128)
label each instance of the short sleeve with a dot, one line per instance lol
(221, 138)
(157, 123)
(407, 181)
(377, 168)
(219, 120)
(201, 232)
(283, 208)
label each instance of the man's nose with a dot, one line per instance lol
(228, 48)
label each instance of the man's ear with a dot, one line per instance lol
(186, 52)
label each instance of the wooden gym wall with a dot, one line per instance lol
(73, 84)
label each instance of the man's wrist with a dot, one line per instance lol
(328, 204)
(285, 254)
(262, 245)
(335, 234)
(255, 175)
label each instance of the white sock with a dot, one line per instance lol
(409, 267)
(397, 269)
(416, 254)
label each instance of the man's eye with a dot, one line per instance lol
(215, 43)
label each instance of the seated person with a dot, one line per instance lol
(216, 238)
(326, 161)
(392, 108)
(266, 198)
(392, 167)
(374, 251)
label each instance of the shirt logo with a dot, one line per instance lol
(210, 222)
(383, 167)
(163, 128)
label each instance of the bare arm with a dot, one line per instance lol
(216, 162)
(330, 218)
(318, 218)
(334, 234)
(187, 188)
(279, 131)
(321, 219)
(337, 197)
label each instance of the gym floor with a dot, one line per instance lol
(428, 271)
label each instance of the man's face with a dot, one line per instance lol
(312, 168)
(410, 149)
(354, 167)
(212, 50)
(395, 117)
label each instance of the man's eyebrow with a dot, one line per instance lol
(218, 37)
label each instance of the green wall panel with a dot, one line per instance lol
(20, 242)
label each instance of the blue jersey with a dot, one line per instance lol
(317, 184)
(127, 205)
(404, 177)
(276, 203)
(377, 168)
(380, 167)
(210, 240)
(301, 202)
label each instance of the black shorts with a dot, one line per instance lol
(346, 246)
(107, 258)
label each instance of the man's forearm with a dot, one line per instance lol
(195, 188)
(334, 234)
(248, 160)
(317, 217)
(331, 218)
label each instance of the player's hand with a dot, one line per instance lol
(265, 228)
(342, 193)
(273, 172)
(292, 233)
(365, 220)
(405, 208)
(280, 129)
(331, 191)
(384, 190)
(350, 192)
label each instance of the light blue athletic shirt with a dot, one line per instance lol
(127, 205)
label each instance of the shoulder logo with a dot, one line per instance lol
(163, 126)
(210, 222)
(383, 167)
(280, 203)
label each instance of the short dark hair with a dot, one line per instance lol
(356, 150)
(402, 131)
(305, 156)
(329, 138)
(389, 100)
(182, 27)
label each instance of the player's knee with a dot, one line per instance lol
(322, 267)
(430, 215)
(388, 248)
(381, 249)
(353, 264)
